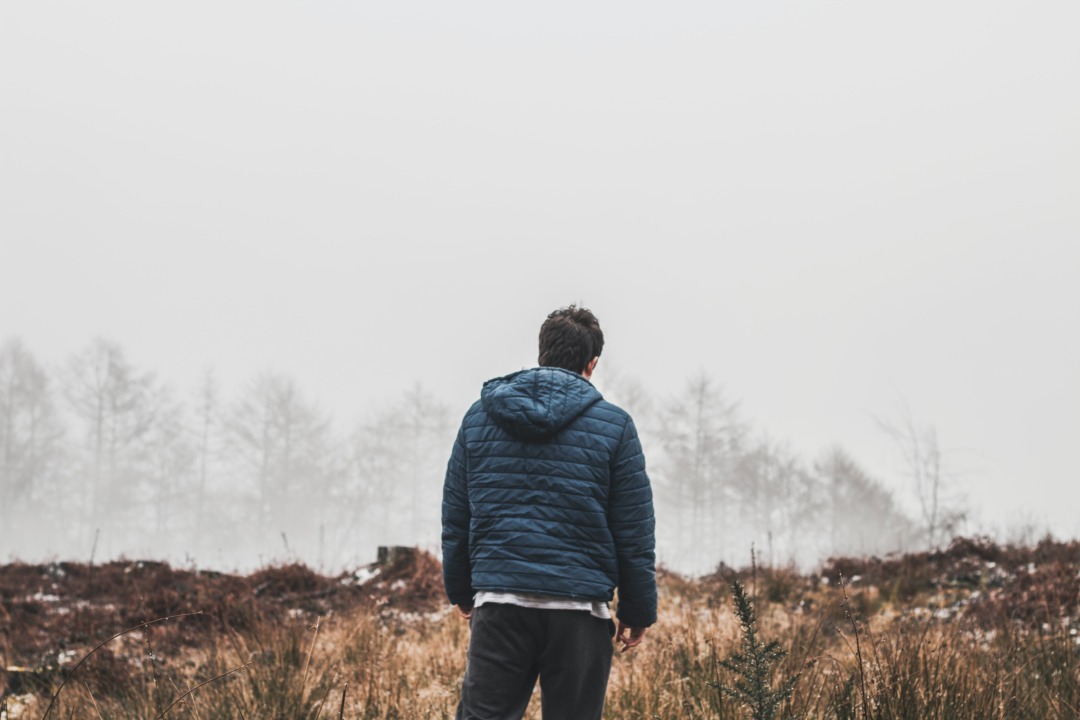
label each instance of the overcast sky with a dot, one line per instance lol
(826, 206)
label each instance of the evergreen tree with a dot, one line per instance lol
(754, 665)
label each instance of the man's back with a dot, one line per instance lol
(547, 493)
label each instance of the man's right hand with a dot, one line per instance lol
(465, 612)
(630, 637)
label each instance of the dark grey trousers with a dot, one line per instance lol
(510, 646)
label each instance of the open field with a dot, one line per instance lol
(976, 631)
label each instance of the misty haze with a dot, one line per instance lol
(104, 458)
(257, 261)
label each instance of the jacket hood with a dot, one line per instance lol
(537, 403)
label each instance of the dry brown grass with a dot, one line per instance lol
(968, 637)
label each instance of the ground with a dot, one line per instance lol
(972, 628)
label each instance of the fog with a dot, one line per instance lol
(832, 218)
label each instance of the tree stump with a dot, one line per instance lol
(395, 554)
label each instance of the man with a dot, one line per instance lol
(546, 510)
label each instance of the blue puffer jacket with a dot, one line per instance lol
(546, 492)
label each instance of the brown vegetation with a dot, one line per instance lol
(975, 631)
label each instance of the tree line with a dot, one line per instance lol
(99, 457)
(722, 488)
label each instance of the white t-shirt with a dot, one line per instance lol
(596, 608)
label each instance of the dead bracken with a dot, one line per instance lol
(975, 630)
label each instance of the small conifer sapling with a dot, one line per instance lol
(753, 665)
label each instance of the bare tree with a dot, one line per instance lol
(30, 431)
(702, 437)
(628, 393)
(377, 462)
(170, 460)
(861, 515)
(284, 446)
(400, 459)
(426, 426)
(800, 509)
(206, 430)
(921, 454)
(114, 403)
(774, 494)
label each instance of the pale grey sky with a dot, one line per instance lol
(825, 205)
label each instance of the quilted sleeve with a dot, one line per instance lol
(633, 526)
(457, 573)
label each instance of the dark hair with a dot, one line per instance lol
(570, 338)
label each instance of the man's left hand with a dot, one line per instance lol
(630, 637)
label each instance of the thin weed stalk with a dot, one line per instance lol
(102, 644)
(858, 649)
